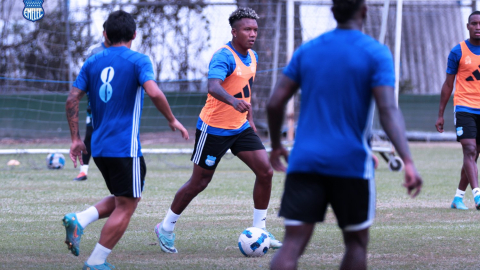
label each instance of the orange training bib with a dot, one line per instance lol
(467, 88)
(221, 115)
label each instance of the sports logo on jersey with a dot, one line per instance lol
(105, 91)
(210, 161)
(459, 131)
(246, 90)
(33, 10)
(475, 74)
(468, 60)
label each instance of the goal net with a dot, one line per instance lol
(39, 61)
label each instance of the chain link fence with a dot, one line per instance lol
(39, 61)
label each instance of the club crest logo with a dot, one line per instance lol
(468, 60)
(459, 131)
(210, 161)
(33, 10)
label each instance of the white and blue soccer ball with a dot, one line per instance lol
(55, 161)
(254, 242)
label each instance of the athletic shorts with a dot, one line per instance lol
(306, 197)
(467, 125)
(209, 149)
(88, 121)
(124, 176)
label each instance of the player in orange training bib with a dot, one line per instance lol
(226, 123)
(463, 63)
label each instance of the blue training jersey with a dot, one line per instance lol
(336, 73)
(112, 79)
(92, 51)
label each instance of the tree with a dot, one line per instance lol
(171, 37)
(266, 10)
(39, 51)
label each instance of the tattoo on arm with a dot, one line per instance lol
(71, 108)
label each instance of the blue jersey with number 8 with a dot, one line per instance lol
(113, 80)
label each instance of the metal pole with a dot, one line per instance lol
(67, 37)
(474, 5)
(290, 115)
(383, 31)
(276, 45)
(383, 27)
(89, 19)
(398, 43)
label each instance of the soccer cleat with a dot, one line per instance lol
(458, 203)
(166, 239)
(80, 177)
(74, 233)
(105, 266)
(477, 201)
(274, 243)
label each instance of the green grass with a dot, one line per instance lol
(420, 233)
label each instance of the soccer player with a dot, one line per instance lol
(82, 176)
(113, 80)
(463, 65)
(340, 73)
(226, 122)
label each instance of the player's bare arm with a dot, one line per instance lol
(217, 91)
(250, 119)
(392, 122)
(71, 108)
(447, 89)
(283, 91)
(161, 103)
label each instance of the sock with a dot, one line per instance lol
(259, 218)
(84, 169)
(88, 216)
(460, 193)
(99, 255)
(170, 220)
(476, 192)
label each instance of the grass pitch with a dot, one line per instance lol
(420, 233)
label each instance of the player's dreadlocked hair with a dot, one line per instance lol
(343, 10)
(240, 13)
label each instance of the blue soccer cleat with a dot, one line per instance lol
(105, 266)
(458, 203)
(274, 243)
(74, 233)
(166, 239)
(477, 201)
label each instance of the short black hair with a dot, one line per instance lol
(343, 10)
(120, 27)
(473, 13)
(240, 13)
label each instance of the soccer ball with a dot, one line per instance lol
(254, 242)
(55, 161)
